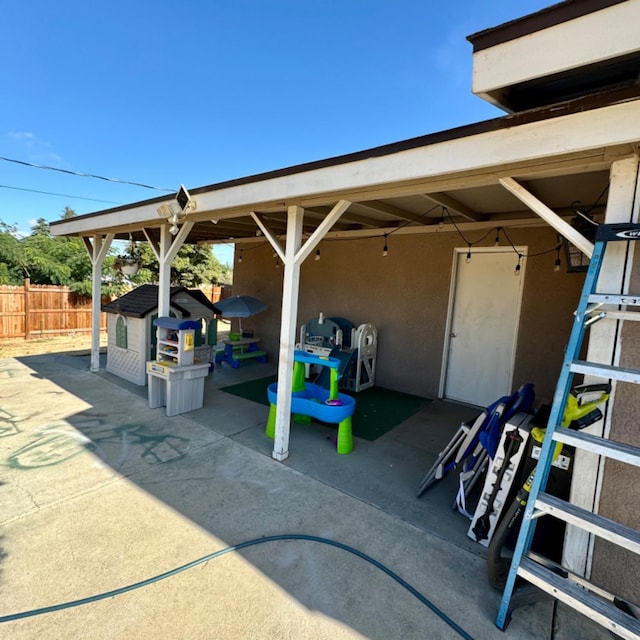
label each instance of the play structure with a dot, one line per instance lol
(354, 348)
(310, 400)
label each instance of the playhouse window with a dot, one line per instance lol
(202, 329)
(121, 332)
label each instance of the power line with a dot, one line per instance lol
(61, 195)
(85, 175)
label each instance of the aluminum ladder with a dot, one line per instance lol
(578, 593)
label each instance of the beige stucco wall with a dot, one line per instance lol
(405, 295)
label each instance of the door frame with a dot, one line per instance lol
(451, 303)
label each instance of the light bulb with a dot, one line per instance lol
(385, 250)
(174, 229)
(317, 255)
(240, 257)
(497, 240)
(556, 265)
(516, 271)
(468, 259)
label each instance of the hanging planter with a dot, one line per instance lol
(128, 263)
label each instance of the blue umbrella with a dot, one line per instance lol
(240, 307)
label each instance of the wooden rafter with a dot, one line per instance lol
(446, 201)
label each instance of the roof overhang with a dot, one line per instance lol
(574, 48)
(562, 153)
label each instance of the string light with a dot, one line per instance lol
(557, 263)
(240, 256)
(385, 249)
(518, 266)
(317, 255)
(496, 242)
(468, 260)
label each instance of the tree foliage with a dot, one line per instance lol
(46, 259)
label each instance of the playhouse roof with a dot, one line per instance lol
(144, 299)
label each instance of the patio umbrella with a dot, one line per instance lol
(240, 307)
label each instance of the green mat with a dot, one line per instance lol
(377, 410)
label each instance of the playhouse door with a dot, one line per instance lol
(482, 326)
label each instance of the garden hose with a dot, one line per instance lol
(243, 545)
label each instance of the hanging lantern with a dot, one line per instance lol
(576, 260)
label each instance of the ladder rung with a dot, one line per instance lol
(606, 314)
(605, 371)
(601, 446)
(610, 530)
(601, 611)
(613, 298)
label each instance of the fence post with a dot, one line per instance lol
(27, 316)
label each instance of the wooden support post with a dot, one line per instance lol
(97, 251)
(604, 346)
(290, 290)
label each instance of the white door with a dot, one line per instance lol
(484, 311)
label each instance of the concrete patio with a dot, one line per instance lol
(100, 492)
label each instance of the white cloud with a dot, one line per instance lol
(22, 136)
(39, 150)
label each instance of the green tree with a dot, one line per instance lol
(47, 259)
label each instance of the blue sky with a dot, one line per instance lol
(197, 91)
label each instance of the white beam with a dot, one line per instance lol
(322, 229)
(549, 216)
(166, 252)
(603, 347)
(290, 291)
(529, 143)
(97, 251)
(164, 272)
(269, 235)
(155, 247)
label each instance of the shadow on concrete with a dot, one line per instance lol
(214, 467)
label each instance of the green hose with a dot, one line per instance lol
(238, 547)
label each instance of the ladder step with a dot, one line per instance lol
(601, 446)
(613, 298)
(601, 611)
(605, 371)
(610, 530)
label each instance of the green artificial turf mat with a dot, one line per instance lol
(377, 410)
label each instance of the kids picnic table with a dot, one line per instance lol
(235, 351)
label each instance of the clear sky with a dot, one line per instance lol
(201, 91)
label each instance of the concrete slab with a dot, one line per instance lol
(126, 493)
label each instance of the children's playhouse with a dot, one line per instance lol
(132, 337)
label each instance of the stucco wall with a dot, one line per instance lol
(405, 295)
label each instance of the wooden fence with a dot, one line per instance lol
(39, 311)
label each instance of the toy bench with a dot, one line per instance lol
(251, 354)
